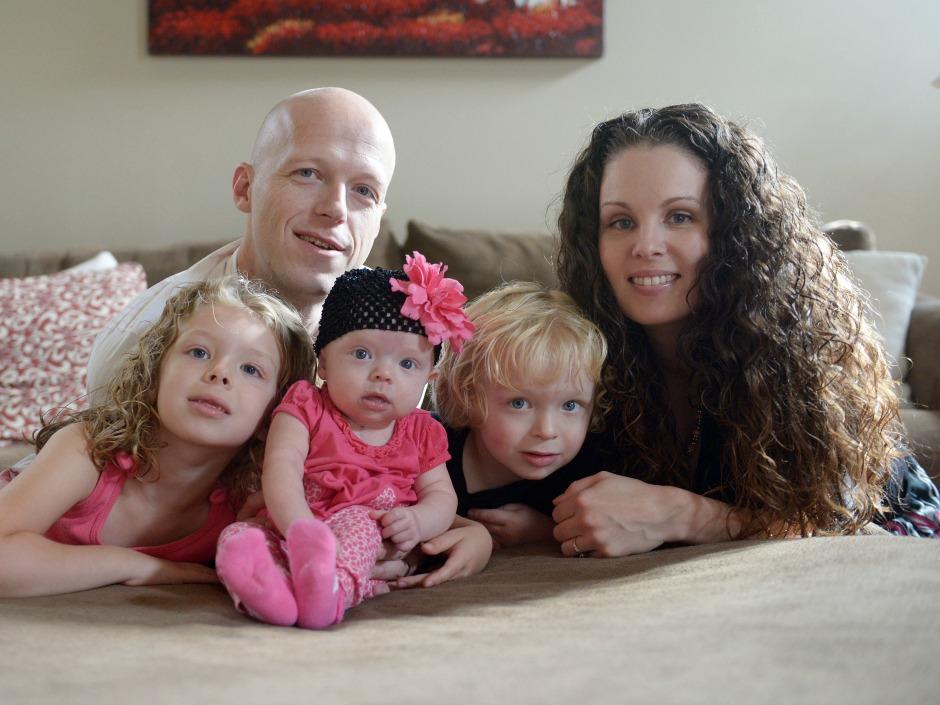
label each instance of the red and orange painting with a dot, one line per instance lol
(541, 28)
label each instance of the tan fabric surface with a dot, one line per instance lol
(842, 620)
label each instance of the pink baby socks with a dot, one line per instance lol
(311, 550)
(248, 571)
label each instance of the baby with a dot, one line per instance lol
(354, 462)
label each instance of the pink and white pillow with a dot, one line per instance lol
(47, 326)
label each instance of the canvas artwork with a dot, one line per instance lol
(496, 28)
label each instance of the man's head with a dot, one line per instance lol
(314, 192)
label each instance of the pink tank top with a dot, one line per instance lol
(81, 525)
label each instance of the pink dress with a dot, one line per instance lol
(344, 478)
(81, 525)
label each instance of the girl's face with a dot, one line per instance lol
(377, 376)
(218, 379)
(534, 429)
(655, 219)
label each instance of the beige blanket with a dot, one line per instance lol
(827, 620)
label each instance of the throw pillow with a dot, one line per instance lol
(47, 326)
(483, 259)
(102, 260)
(891, 279)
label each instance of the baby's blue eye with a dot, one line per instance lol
(408, 364)
(518, 403)
(361, 354)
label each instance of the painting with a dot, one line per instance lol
(493, 28)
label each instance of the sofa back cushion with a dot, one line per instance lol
(483, 259)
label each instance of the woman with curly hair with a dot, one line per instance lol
(137, 489)
(748, 393)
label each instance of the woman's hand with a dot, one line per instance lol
(468, 548)
(514, 524)
(608, 515)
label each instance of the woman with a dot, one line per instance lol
(748, 394)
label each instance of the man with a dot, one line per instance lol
(313, 197)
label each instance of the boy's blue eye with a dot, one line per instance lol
(361, 354)
(518, 403)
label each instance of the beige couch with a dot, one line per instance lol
(825, 620)
(482, 258)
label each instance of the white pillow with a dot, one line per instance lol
(101, 261)
(892, 279)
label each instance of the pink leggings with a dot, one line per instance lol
(359, 541)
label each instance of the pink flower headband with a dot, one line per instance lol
(435, 301)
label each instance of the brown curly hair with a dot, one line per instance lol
(127, 422)
(779, 348)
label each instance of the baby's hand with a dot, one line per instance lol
(400, 526)
(514, 524)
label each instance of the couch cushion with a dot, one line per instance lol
(892, 279)
(386, 252)
(483, 259)
(47, 326)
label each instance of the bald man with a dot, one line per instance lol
(313, 195)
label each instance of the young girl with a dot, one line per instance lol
(517, 403)
(138, 489)
(354, 462)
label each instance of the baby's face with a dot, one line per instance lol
(533, 429)
(376, 376)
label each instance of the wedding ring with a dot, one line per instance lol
(578, 551)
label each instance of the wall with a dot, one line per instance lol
(101, 143)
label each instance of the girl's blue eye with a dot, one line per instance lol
(681, 218)
(250, 369)
(199, 353)
(518, 403)
(408, 364)
(570, 405)
(361, 354)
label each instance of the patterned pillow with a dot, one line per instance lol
(47, 326)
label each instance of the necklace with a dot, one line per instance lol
(696, 432)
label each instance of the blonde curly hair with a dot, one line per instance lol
(523, 332)
(127, 421)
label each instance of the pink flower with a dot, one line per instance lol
(435, 300)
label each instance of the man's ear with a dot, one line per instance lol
(241, 186)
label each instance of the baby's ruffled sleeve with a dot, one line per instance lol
(433, 448)
(303, 402)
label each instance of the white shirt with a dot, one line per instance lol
(119, 337)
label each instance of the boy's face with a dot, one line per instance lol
(534, 429)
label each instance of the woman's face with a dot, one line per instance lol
(655, 218)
